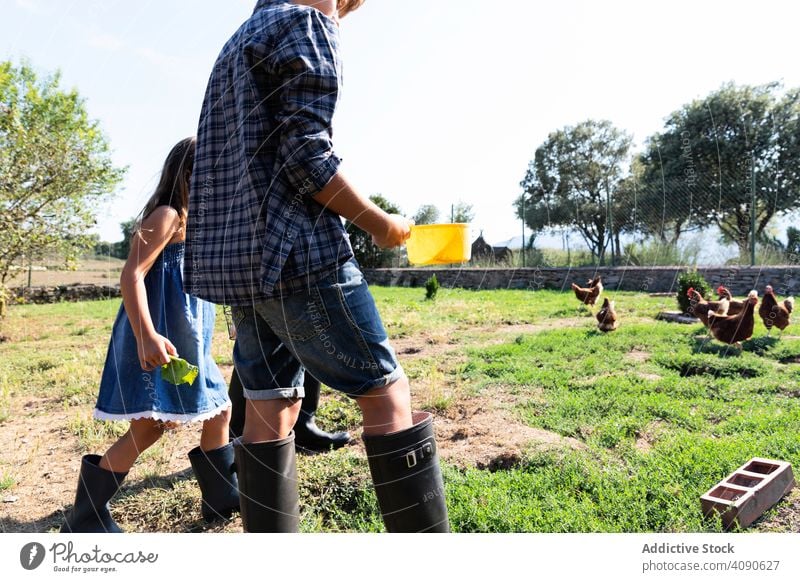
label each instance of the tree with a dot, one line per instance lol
(122, 248)
(574, 182)
(793, 245)
(661, 210)
(55, 167)
(366, 253)
(427, 214)
(462, 212)
(119, 249)
(703, 168)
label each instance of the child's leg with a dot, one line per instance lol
(142, 434)
(215, 431)
(270, 420)
(386, 409)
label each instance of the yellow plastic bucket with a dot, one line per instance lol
(439, 244)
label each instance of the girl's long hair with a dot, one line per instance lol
(173, 187)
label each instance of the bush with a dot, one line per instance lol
(686, 281)
(431, 288)
(653, 253)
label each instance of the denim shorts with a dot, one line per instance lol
(332, 329)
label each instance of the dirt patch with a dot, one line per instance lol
(646, 437)
(786, 516)
(430, 344)
(637, 356)
(483, 432)
(43, 458)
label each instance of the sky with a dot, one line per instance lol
(443, 100)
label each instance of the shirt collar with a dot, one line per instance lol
(264, 3)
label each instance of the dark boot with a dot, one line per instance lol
(238, 406)
(96, 486)
(268, 486)
(407, 477)
(307, 434)
(216, 477)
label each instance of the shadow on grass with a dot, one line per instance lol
(48, 524)
(760, 345)
(167, 502)
(709, 346)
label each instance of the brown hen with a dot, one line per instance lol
(699, 307)
(774, 313)
(607, 317)
(588, 296)
(734, 329)
(734, 305)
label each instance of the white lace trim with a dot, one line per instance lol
(164, 416)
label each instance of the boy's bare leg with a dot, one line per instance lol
(387, 409)
(269, 420)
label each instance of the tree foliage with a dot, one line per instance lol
(574, 181)
(463, 212)
(427, 214)
(119, 249)
(55, 167)
(701, 170)
(366, 253)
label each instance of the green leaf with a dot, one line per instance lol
(178, 371)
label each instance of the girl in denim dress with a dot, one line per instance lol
(158, 320)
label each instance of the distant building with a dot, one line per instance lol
(481, 250)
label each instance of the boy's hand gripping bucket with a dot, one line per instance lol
(439, 244)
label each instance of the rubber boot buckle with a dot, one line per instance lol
(411, 459)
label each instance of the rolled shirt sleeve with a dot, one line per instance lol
(307, 63)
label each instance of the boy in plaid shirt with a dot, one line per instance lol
(265, 236)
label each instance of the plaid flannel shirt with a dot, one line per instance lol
(263, 151)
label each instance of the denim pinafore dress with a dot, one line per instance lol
(126, 391)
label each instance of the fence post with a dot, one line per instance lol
(523, 230)
(753, 213)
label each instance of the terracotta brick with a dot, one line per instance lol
(744, 495)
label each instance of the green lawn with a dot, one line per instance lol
(663, 413)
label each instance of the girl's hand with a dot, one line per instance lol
(154, 351)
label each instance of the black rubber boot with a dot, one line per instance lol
(238, 406)
(268, 486)
(215, 474)
(407, 477)
(96, 487)
(307, 434)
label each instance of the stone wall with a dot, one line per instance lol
(57, 294)
(740, 280)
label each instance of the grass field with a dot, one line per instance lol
(98, 270)
(544, 423)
